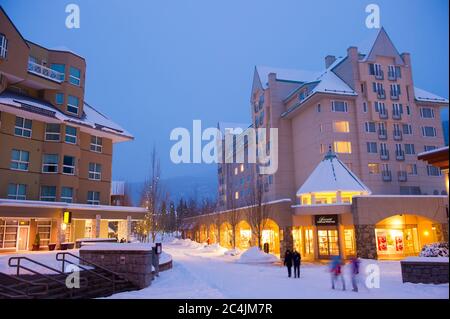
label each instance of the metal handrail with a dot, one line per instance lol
(28, 283)
(114, 274)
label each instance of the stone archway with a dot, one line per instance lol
(203, 233)
(226, 235)
(212, 234)
(243, 235)
(270, 237)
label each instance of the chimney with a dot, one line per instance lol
(329, 60)
(406, 57)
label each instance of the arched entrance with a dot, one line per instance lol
(203, 234)
(212, 234)
(226, 235)
(403, 235)
(243, 235)
(270, 237)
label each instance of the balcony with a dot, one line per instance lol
(402, 176)
(382, 134)
(381, 94)
(380, 75)
(384, 155)
(45, 72)
(383, 114)
(399, 155)
(396, 116)
(398, 136)
(386, 175)
(392, 76)
(394, 97)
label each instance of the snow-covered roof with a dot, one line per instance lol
(331, 175)
(284, 74)
(91, 117)
(65, 49)
(425, 96)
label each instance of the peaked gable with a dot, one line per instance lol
(383, 46)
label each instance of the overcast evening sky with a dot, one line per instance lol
(156, 65)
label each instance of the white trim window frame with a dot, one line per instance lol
(370, 127)
(407, 129)
(69, 165)
(50, 193)
(3, 46)
(73, 104)
(96, 144)
(65, 196)
(427, 112)
(23, 127)
(70, 135)
(339, 106)
(50, 163)
(95, 171)
(20, 160)
(52, 132)
(429, 129)
(74, 78)
(93, 198)
(20, 191)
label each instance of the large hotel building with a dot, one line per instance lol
(55, 149)
(349, 180)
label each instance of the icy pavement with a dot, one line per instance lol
(208, 273)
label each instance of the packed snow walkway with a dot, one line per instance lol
(211, 272)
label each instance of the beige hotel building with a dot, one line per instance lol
(349, 180)
(55, 149)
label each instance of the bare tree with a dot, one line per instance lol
(257, 213)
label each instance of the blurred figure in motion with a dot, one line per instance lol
(336, 271)
(297, 259)
(354, 263)
(288, 262)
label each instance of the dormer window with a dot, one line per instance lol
(75, 76)
(3, 46)
(72, 104)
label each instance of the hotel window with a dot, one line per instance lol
(3, 46)
(365, 107)
(427, 148)
(343, 147)
(410, 149)
(341, 127)
(20, 160)
(395, 90)
(59, 98)
(339, 106)
(66, 194)
(394, 72)
(242, 167)
(236, 195)
(407, 129)
(426, 113)
(71, 135)
(319, 108)
(23, 127)
(48, 193)
(61, 68)
(50, 163)
(95, 171)
(44, 228)
(74, 76)
(397, 109)
(17, 191)
(408, 110)
(96, 144)
(52, 132)
(370, 127)
(428, 131)
(69, 165)
(411, 169)
(236, 170)
(93, 198)
(372, 147)
(375, 69)
(374, 168)
(72, 104)
(433, 170)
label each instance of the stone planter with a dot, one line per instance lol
(426, 270)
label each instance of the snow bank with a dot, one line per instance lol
(435, 250)
(164, 258)
(427, 259)
(232, 252)
(214, 248)
(255, 255)
(117, 246)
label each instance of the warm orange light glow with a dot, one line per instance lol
(426, 233)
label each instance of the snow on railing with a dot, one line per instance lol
(45, 72)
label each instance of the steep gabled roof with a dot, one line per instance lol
(425, 96)
(293, 75)
(331, 175)
(382, 46)
(14, 26)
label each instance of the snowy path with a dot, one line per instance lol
(199, 274)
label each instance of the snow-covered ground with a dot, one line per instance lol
(200, 272)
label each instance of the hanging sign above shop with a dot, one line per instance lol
(67, 217)
(326, 220)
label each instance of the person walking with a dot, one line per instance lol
(336, 272)
(288, 262)
(355, 272)
(297, 259)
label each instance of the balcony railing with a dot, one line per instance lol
(400, 155)
(398, 136)
(394, 97)
(402, 176)
(382, 134)
(45, 72)
(380, 75)
(381, 94)
(384, 155)
(383, 114)
(392, 76)
(386, 175)
(396, 115)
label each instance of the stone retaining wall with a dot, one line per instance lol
(424, 272)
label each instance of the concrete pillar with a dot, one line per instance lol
(128, 228)
(286, 240)
(98, 219)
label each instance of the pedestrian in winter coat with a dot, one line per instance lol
(288, 262)
(355, 272)
(336, 271)
(297, 259)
